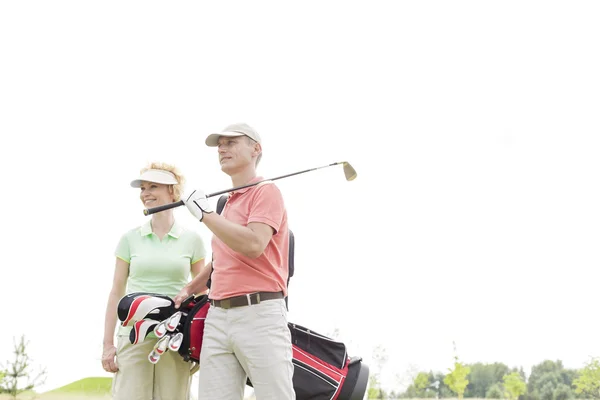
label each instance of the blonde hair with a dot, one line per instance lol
(176, 189)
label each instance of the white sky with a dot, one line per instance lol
(474, 128)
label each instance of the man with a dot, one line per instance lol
(246, 332)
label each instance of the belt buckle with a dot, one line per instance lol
(249, 298)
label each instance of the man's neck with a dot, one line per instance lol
(243, 177)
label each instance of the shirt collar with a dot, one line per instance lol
(244, 190)
(175, 231)
(146, 229)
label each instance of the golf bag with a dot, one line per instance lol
(322, 367)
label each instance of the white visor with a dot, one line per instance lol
(156, 176)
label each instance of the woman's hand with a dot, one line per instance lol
(109, 363)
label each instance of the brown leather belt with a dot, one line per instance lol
(246, 300)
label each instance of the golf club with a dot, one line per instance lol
(175, 341)
(160, 330)
(161, 346)
(349, 173)
(153, 357)
(173, 321)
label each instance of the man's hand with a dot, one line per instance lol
(181, 296)
(198, 205)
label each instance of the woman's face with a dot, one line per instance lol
(155, 194)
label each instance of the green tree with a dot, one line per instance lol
(380, 358)
(443, 391)
(562, 392)
(547, 385)
(19, 370)
(494, 392)
(421, 383)
(514, 385)
(456, 379)
(588, 382)
(426, 386)
(483, 376)
(545, 379)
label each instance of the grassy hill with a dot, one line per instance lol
(96, 386)
(87, 388)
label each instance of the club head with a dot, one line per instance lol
(349, 171)
(175, 341)
(161, 346)
(153, 357)
(160, 330)
(173, 321)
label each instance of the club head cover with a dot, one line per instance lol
(140, 330)
(140, 305)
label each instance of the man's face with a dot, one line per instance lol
(235, 153)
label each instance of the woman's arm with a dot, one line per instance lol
(110, 319)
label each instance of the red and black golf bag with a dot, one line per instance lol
(322, 368)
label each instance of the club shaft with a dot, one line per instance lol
(181, 203)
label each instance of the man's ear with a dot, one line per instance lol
(257, 148)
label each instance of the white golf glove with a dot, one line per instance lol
(198, 204)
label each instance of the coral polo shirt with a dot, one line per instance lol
(235, 274)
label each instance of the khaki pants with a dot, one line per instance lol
(252, 341)
(139, 379)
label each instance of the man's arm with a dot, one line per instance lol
(250, 240)
(196, 285)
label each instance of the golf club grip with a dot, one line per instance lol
(163, 207)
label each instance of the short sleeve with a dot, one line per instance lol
(199, 251)
(123, 250)
(267, 206)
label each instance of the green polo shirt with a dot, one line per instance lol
(159, 266)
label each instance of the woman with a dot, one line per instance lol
(156, 257)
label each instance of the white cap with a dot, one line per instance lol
(233, 130)
(156, 176)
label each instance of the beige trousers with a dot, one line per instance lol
(139, 379)
(250, 341)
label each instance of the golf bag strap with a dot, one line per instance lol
(290, 263)
(220, 205)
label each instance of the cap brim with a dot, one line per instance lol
(149, 176)
(213, 139)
